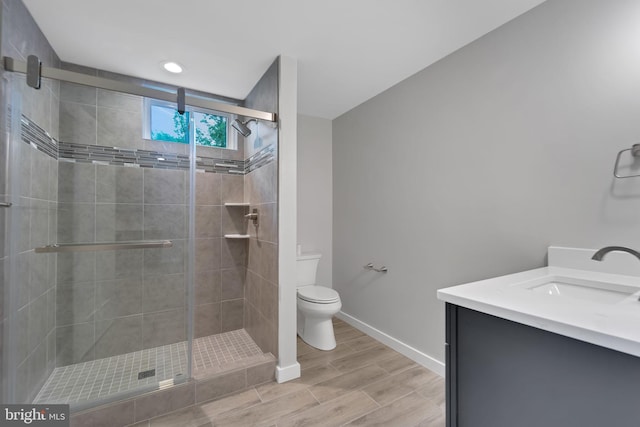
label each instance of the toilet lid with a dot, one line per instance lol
(318, 294)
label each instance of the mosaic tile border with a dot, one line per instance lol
(211, 164)
(261, 158)
(38, 138)
(98, 154)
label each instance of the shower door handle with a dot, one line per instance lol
(97, 247)
(5, 205)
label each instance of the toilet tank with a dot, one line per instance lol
(306, 268)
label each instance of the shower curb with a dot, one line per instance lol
(195, 391)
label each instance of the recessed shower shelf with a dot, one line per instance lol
(236, 236)
(238, 204)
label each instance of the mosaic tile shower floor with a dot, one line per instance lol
(117, 374)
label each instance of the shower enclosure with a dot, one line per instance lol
(129, 264)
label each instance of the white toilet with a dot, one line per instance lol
(316, 305)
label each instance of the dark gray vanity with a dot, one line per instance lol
(557, 346)
(501, 373)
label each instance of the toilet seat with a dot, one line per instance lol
(318, 294)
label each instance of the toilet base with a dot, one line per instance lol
(318, 333)
(316, 329)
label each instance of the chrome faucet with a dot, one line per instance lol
(599, 255)
(253, 216)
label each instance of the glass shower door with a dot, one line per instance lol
(122, 307)
(29, 289)
(121, 279)
(98, 267)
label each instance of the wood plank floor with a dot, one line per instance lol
(360, 383)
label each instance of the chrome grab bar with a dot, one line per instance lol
(382, 269)
(112, 246)
(5, 205)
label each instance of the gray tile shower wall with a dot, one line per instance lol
(261, 313)
(261, 191)
(34, 197)
(140, 295)
(220, 263)
(99, 109)
(127, 300)
(81, 306)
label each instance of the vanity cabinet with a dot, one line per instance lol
(500, 373)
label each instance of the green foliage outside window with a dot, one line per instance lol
(180, 129)
(211, 129)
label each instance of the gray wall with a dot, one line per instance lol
(472, 167)
(105, 300)
(315, 197)
(261, 191)
(34, 208)
(100, 117)
(112, 303)
(220, 273)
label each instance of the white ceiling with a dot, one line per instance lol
(347, 50)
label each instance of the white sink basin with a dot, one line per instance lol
(595, 302)
(585, 290)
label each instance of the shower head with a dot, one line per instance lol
(242, 126)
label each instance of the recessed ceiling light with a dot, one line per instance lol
(172, 67)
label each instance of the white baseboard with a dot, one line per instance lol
(413, 354)
(287, 373)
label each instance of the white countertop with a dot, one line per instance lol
(612, 325)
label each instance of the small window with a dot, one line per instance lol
(211, 129)
(164, 123)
